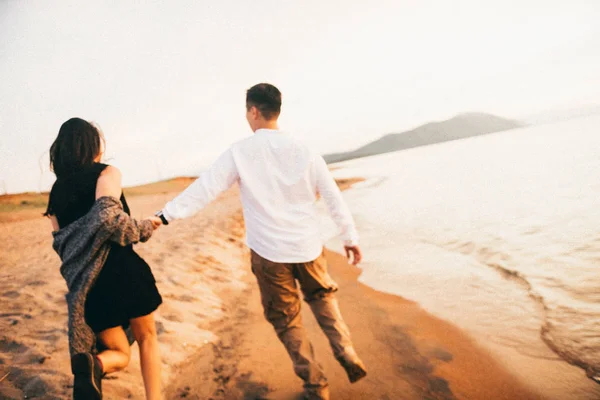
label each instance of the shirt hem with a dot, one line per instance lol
(283, 259)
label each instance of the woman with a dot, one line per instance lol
(93, 234)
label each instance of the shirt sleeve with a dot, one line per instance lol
(218, 178)
(330, 192)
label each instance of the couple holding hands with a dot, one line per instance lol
(112, 294)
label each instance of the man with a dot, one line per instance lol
(279, 181)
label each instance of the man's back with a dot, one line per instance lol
(279, 179)
(278, 182)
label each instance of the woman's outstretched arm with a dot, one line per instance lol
(125, 230)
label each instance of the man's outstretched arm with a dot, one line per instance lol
(218, 178)
(338, 209)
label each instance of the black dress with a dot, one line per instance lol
(125, 288)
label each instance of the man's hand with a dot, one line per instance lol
(156, 222)
(355, 252)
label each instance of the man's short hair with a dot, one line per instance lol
(266, 98)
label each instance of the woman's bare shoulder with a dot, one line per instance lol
(111, 172)
(109, 183)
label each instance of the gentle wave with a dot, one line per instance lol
(575, 350)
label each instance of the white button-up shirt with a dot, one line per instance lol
(279, 181)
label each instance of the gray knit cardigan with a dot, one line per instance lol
(83, 247)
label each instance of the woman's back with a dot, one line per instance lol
(116, 292)
(73, 196)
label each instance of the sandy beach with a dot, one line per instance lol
(214, 340)
(409, 353)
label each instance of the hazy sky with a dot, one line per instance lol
(166, 81)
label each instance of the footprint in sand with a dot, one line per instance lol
(173, 318)
(185, 298)
(50, 335)
(28, 357)
(31, 386)
(36, 283)
(173, 247)
(10, 346)
(441, 354)
(175, 280)
(160, 328)
(8, 315)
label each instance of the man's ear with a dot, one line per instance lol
(255, 113)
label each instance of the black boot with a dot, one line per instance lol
(87, 384)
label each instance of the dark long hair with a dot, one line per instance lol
(76, 147)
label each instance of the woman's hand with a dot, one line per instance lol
(156, 222)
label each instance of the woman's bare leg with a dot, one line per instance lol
(117, 356)
(144, 330)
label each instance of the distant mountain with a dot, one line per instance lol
(462, 126)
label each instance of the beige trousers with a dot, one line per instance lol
(281, 302)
